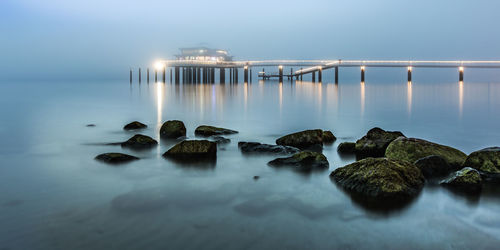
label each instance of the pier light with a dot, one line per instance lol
(246, 67)
(461, 69)
(410, 68)
(159, 65)
(363, 68)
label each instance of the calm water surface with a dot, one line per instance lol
(54, 195)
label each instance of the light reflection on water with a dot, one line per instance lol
(69, 201)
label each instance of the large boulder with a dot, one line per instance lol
(192, 151)
(205, 130)
(347, 148)
(466, 180)
(380, 179)
(375, 142)
(173, 129)
(139, 142)
(485, 160)
(328, 137)
(115, 158)
(412, 149)
(433, 166)
(255, 147)
(303, 139)
(134, 125)
(302, 161)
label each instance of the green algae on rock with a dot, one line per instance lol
(302, 139)
(193, 150)
(172, 129)
(375, 142)
(380, 178)
(433, 166)
(205, 130)
(466, 180)
(302, 161)
(134, 125)
(328, 137)
(412, 149)
(139, 142)
(485, 160)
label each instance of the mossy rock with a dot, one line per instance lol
(347, 148)
(433, 166)
(173, 129)
(135, 125)
(302, 161)
(193, 150)
(485, 160)
(467, 180)
(140, 142)
(380, 179)
(375, 142)
(255, 148)
(328, 137)
(303, 139)
(412, 149)
(115, 158)
(205, 130)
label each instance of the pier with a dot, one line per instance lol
(203, 71)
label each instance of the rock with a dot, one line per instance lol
(466, 180)
(255, 147)
(303, 139)
(115, 158)
(173, 129)
(205, 130)
(375, 142)
(90, 125)
(411, 149)
(380, 179)
(302, 161)
(220, 140)
(433, 166)
(134, 125)
(193, 150)
(256, 177)
(140, 142)
(347, 148)
(328, 137)
(485, 160)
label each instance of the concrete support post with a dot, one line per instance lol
(280, 69)
(245, 74)
(139, 75)
(222, 76)
(461, 74)
(336, 75)
(362, 73)
(313, 76)
(320, 75)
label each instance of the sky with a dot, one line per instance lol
(102, 39)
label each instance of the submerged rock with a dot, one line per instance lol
(375, 142)
(302, 161)
(115, 158)
(173, 129)
(485, 160)
(380, 179)
(140, 142)
(347, 148)
(193, 150)
(433, 166)
(328, 137)
(134, 125)
(412, 149)
(220, 140)
(90, 125)
(303, 139)
(465, 180)
(205, 130)
(255, 147)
